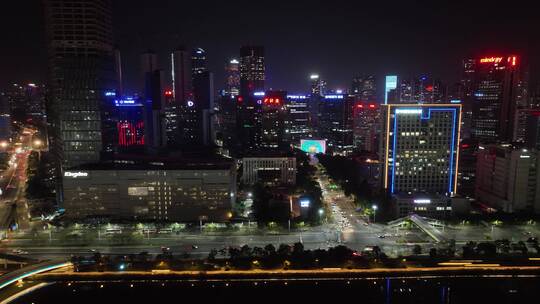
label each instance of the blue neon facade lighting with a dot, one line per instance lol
(333, 96)
(390, 84)
(126, 102)
(296, 96)
(425, 114)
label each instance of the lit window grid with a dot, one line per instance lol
(453, 168)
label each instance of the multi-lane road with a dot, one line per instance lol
(12, 183)
(343, 226)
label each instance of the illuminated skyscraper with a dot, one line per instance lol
(318, 86)
(198, 61)
(364, 88)
(421, 148)
(297, 124)
(232, 71)
(494, 98)
(130, 124)
(420, 90)
(252, 70)
(366, 121)
(390, 85)
(26, 101)
(81, 66)
(272, 120)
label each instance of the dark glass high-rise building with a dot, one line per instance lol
(181, 74)
(494, 101)
(203, 107)
(297, 119)
(81, 66)
(252, 69)
(335, 122)
(154, 102)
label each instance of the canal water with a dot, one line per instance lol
(477, 289)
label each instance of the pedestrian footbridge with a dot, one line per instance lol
(429, 226)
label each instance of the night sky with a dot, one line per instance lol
(337, 39)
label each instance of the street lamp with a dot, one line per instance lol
(374, 207)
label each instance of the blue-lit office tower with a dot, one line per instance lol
(364, 88)
(154, 102)
(297, 119)
(81, 69)
(420, 148)
(335, 123)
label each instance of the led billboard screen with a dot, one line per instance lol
(313, 146)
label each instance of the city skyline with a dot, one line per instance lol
(242, 146)
(335, 46)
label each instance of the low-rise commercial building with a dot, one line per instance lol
(151, 191)
(271, 171)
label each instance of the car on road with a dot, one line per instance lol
(382, 236)
(194, 247)
(19, 251)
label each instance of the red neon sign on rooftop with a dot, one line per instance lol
(512, 60)
(491, 59)
(275, 101)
